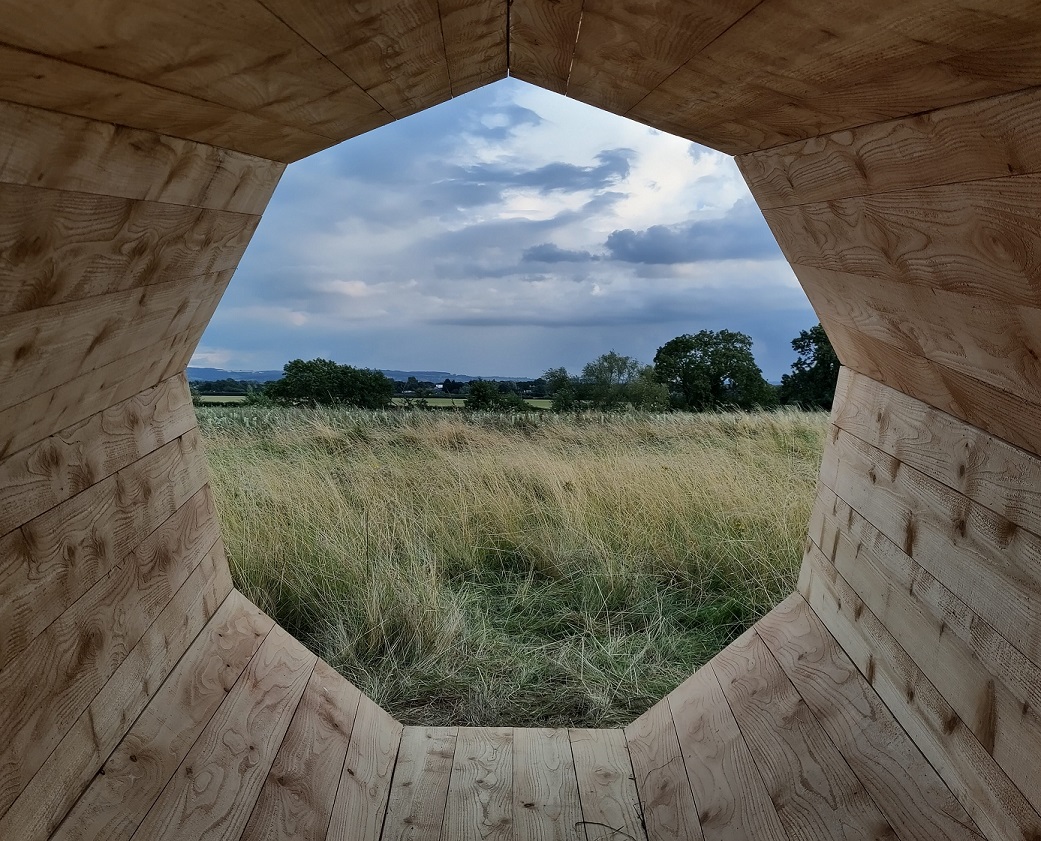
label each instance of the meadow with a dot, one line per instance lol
(533, 569)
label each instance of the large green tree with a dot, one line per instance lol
(811, 384)
(710, 370)
(322, 382)
(610, 383)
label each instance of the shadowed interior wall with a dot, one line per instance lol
(894, 149)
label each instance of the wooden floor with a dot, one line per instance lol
(252, 737)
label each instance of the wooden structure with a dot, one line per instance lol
(895, 149)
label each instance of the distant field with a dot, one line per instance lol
(535, 569)
(221, 400)
(460, 402)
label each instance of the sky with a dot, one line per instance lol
(503, 233)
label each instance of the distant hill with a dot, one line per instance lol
(210, 374)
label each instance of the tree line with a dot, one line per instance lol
(695, 372)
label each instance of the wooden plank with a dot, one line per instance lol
(480, 793)
(296, 801)
(361, 800)
(816, 794)
(55, 678)
(545, 788)
(419, 793)
(974, 334)
(41, 476)
(63, 777)
(215, 787)
(661, 779)
(1015, 419)
(76, 544)
(981, 557)
(58, 247)
(62, 152)
(915, 801)
(733, 802)
(993, 687)
(985, 792)
(990, 471)
(542, 41)
(982, 139)
(34, 79)
(147, 757)
(474, 33)
(50, 411)
(53, 345)
(610, 803)
(395, 53)
(976, 238)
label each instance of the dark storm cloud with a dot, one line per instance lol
(740, 234)
(547, 252)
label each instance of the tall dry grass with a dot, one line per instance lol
(526, 570)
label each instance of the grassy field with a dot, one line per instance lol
(460, 402)
(523, 570)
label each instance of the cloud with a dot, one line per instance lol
(741, 233)
(547, 252)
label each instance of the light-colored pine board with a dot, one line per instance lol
(543, 35)
(733, 802)
(58, 247)
(62, 152)
(669, 812)
(56, 677)
(545, 789)
(474, 33)
(35, 79)
(394, 52)
(419, 793)
(915, 801)
(625, 51)
(816, 794)
(50, 411)
(990, 471)
(146, 759)
(991, 685)
(71, 547)
(982, 788)
(982, 139)
(48, 473)
(361, 800)
(610, 802)
(214, 790)
(296, 801)
(54, 789)
(1013, 418)
(52, 345)
(980, 556)
(480, 793)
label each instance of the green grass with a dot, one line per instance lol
(530, 570)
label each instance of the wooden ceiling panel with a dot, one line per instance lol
(474, 33)
(543, 34)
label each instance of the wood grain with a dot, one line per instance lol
(361, 799)
(474, 33)
(62, 152)
(480, 793)
(669, 812)
(215, 787)
(63, 777)
(816, 794)
(983, 790)
(147, 758)
(606, 787)
(296, 801)
(419, 793)
(48, 473)
(542, 41)
(58, 675)
(545, 789)
(906, 789)
(732, 799)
